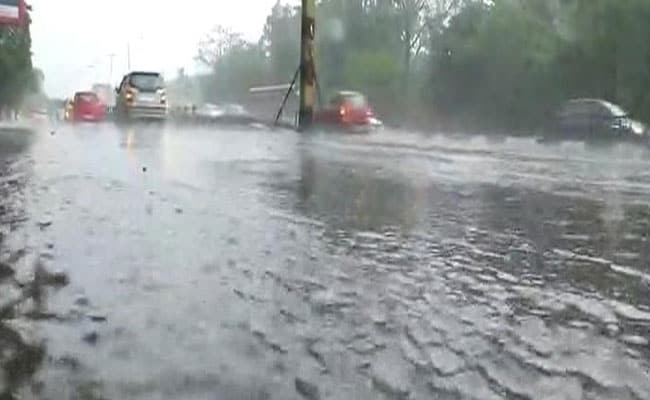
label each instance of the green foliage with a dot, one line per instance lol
(497, 64)
(236, 65)
(16, 75)
(280, 42)
(367, 69)
(512, 62)
(506, 63)
(610, 56)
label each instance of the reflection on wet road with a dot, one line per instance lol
(247, 264)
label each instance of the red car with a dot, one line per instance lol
(87, 107)
(348, 111)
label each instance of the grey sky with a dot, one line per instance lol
(72, 39)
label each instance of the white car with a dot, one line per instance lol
(209, 111)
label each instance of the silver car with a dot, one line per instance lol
(142, 95)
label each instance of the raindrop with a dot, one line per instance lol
(44, 222)
(5, 271)
(97, 317)
(91, 338)
(82, 301)
(307, 390)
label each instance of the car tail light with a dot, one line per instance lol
(342, 111)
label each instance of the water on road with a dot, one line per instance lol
(255, 264)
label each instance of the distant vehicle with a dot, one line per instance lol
(87, 106)
(209, 111)
(67, 110)
(349, 111)
(141, 95)
(223, 113)
(592, 119)
(235, 110)
(105, 93)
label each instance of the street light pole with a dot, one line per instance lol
(307, 66)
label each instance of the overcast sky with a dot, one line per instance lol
(72, 39)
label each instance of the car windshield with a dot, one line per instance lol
(615, 110)
(325, 199)
(355, 101)
(87, 97)
(146, 82)
(350, 99)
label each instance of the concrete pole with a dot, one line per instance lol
(307, 66)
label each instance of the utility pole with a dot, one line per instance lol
(128, 56)
(307, 66)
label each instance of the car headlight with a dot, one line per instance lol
(637, 127)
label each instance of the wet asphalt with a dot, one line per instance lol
(163, 262)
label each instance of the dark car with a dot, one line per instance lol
(349, 111)
(595, 119)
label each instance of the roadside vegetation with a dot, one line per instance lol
(447, 63)
(20, 82)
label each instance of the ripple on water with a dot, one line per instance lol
(444, 361)
(467, 384)
(610, 369)
(635, 340)
(450, 326)
(390, 376)
(422, 335)
(511, 375)
(413, 354)
(577, 353)
(630, 312)
(533, 332)
(472, 346)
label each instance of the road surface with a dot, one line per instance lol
(171, 263)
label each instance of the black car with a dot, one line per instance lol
(591, 119)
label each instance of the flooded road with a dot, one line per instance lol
(248, 264)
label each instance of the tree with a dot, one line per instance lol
(281, 42)
(217, 44)
(413, 15)
(37, 81)
(236, 64)
(607, 54)
(496, 63)
(505, 63)
(16, 76)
